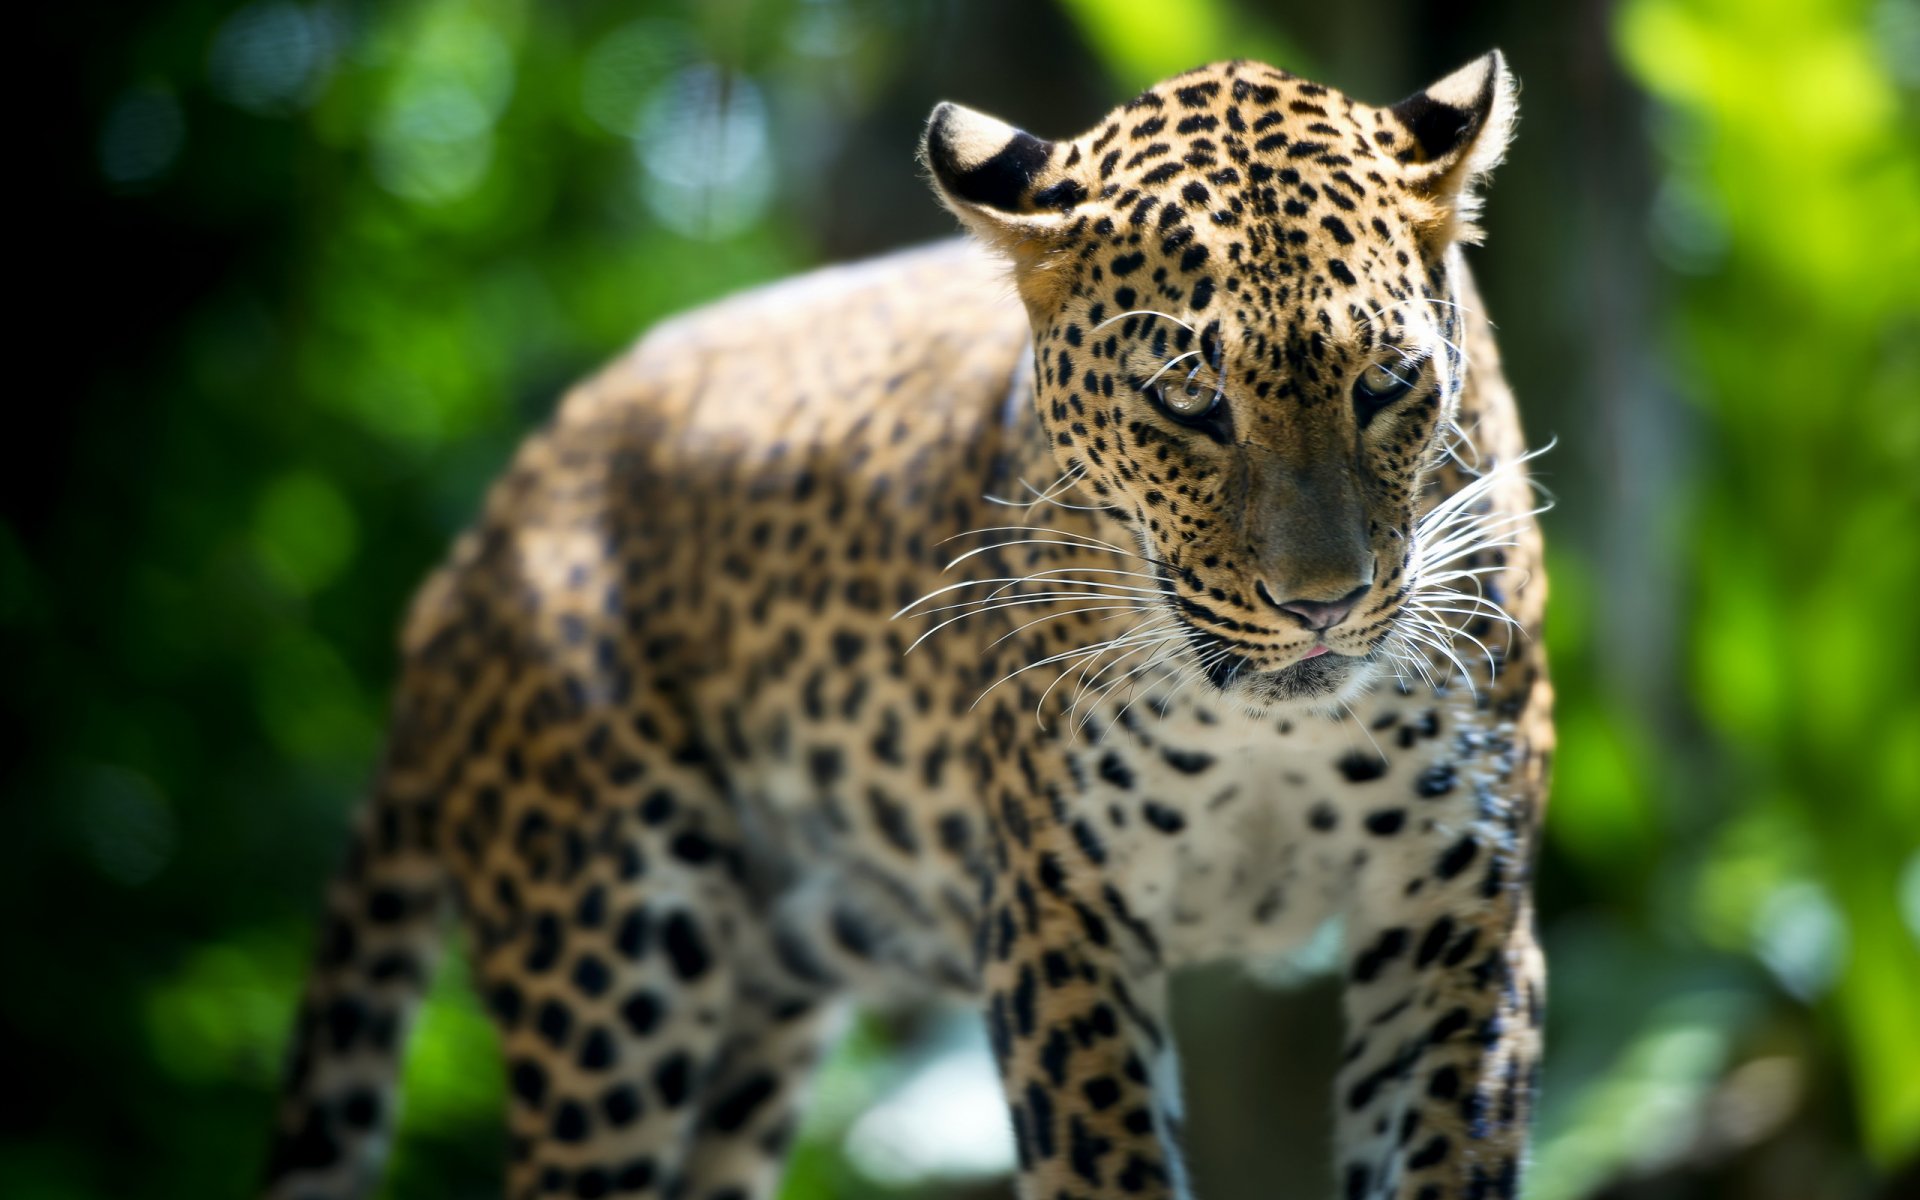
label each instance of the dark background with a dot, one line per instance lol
(297, 277)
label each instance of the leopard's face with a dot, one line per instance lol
(1247, 342)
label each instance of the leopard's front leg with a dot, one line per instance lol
(1076, 1013)
(1444, 998)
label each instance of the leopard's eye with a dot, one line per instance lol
(1188, 399)
(1380, 385)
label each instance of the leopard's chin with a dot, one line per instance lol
(1325, 681)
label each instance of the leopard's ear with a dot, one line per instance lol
(1015, 191)
(1457, 132)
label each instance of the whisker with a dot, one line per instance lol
(1022, 602)
(1168, 366)
(1091, 583)
(1061, 657)
(1091, 542)
(1145, 312)
(1087, 666)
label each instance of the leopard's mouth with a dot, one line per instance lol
(1321, 674)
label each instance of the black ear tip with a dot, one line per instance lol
(1450, 112)
(980, 160)
(1437, 127)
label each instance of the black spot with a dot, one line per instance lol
(1358, 1179)
(554, 1022)
(1434, 941)
(1389, 946)
(636, 1175)
(693, 848)
(596, 1052)
(1053, 1056)
(1062, 195)
(528, 1082)
(1139, 1174)
(1359, 766)
(570, 1122)
(956, 833)
(592, 908)
(685, 948)
(642, 1012)
(1386, 822)
(313, 1147)
(361, 1109)
(657, 809)
(1089, 842)
(1115, 771)
(591, 976)
(386, 906)
(852, 933)
(673, 1078)
(1187, 762)
(1024, 1012)
(847, 647)
(999, 1031)
(340, 943)
(737, 1107)
(1052, 876)
(1102, 1092)
(1040, 1113)
(1165, 819)
(505, 1002)
(1457, 858)
(1085, 1150)
(1338, 228)
(545, 950)
(631, 938)
(893, 821)
(1458, 952)
(1431, 1154)
(1435, 781)
(825, 765)
(620, 1105)
(1323, 817)
(1454, 1020)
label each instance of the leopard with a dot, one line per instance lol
(1148, 577)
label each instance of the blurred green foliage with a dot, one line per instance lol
(1801, 328)
(330, 260)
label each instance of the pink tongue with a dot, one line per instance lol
(1316, 652)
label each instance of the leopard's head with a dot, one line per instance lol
(1247, 339)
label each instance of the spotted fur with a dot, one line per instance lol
(700, 736)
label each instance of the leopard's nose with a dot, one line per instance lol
(1316, 614)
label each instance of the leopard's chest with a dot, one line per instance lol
(1233, 837)
(1197, 833)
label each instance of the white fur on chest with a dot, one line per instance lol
(1237, 837)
